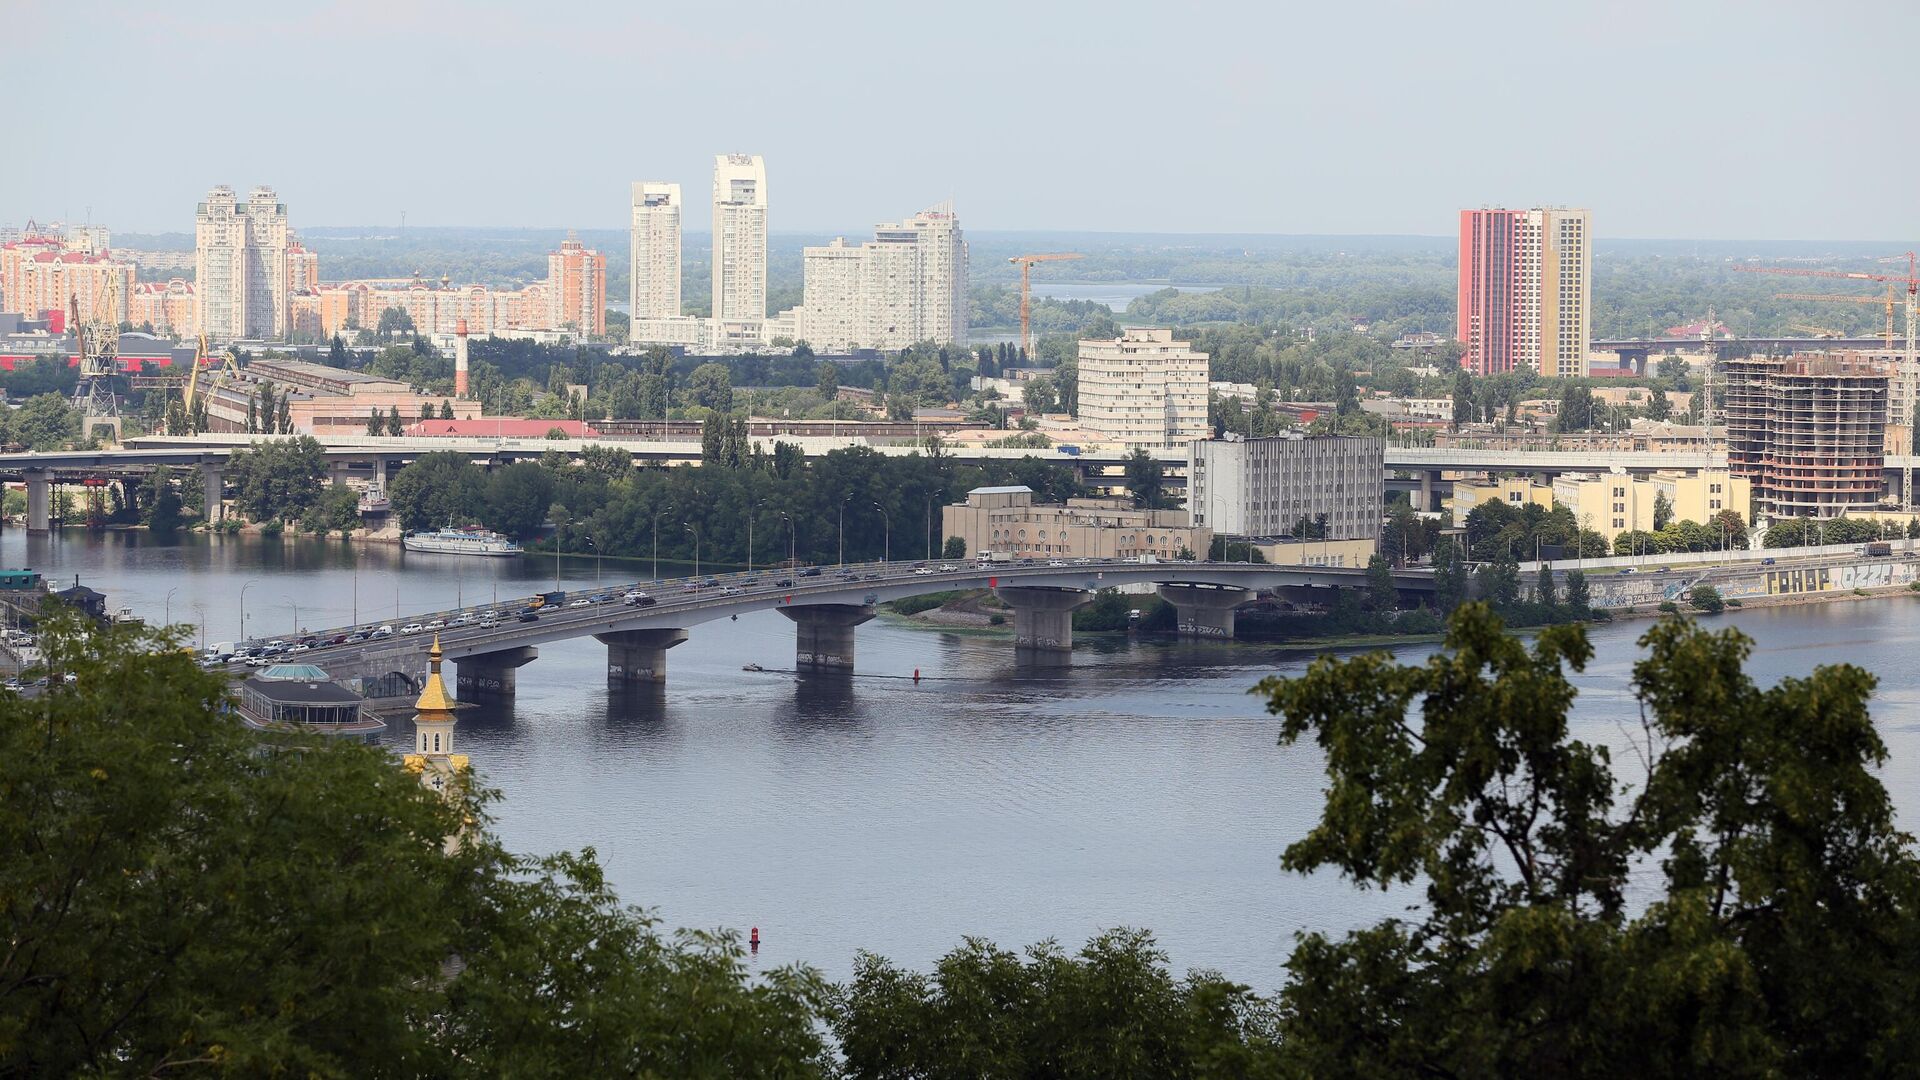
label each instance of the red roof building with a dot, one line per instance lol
(500, 427)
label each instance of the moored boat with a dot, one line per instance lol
(460, 542)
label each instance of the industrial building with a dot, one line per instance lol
(1006, 520)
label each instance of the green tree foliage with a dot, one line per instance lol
(1407, 536)
(395, 426)
(43, 422)
(1704, 597)
(955, 548)
(394, 321)
(710, 386)
(1543, 591)
(31, 378)
(1662, 510)
(336, 510)
(376, 423)
(163, 503)
(1499, 582)
(1381, 594)
(438, 489)
(1449, 575)
(1579, 598)
(1771, 925)
(1146, 481)
(277, 481)
(1113, 1011)
(516, 499)
(180, 898)
(1841, 530)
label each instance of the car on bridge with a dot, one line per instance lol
(811, 571)
(412, 628)
(529, 615)
(637, 599)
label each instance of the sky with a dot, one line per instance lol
(1667, 118)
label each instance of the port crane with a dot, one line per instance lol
(1911, 280)
(99, 346)
(1026, 292)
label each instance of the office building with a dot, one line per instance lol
(654, 251)
(241, 266)
(1808, 430)
(739, 239)
(1524, 290)
(1143, 390)
(1287, 485)
(906, 285)
(1006, 520)
(168, 308)
(1613, 503)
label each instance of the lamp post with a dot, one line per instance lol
(243, 609)
(656, 539)
(696, 546)
(597, 557)
(929, 525)
(792, 564)
(201, 610)
(886, 534)
(752, 512)
(843, 526)
(166, 619)
(295, 605)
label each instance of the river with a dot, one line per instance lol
(1141, 786)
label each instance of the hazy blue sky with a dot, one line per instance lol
(1668, 118)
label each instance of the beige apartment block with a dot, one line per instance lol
(1515, 492)
(1007, 520)
(1143, 390)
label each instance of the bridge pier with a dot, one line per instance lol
(213, 488)
(493, 673)
(1204, 611)
(823, 634)
(39, 500)
(1043, 619)
(1427, 477)
(638, 656)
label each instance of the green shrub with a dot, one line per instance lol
(1669, 607)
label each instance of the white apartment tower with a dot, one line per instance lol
(655, 248)
(240, 259)
(739, 239)
(908, 284)
(1144, 390)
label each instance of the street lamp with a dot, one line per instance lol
(167, 618)
(296, 613)
(243, 609)
(886, 534)
(792, 564)
(597, 557)
(656, 539)
(843, 526)
(929, 525)
(696, 546)
(750, 516)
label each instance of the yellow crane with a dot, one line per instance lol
(1842, 298)
(1026, 292)
(1816, 331)
(190, 390)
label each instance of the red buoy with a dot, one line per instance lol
(916, 674)
(754, 938)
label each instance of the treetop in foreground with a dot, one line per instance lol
(1739, 902)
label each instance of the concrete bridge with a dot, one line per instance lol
(825, 611)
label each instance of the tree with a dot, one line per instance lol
(395, 425)
(163, 503)
(376, 423)
(1462, 398)
(1499, 581)
(1449, 575)
(1543, 592)
(1381, 594)
(337, 509)
(1579, 597)
(157, 851)
(277, 481)
(337, 352)
(516, 499)
(446, 410)
(1040, 395)
(1780, 930)
(394, 320)
(1662, 510)
(1146, 481)
(711, 387)
(1671, 368)
(42, 422)
(1659, 406)
(439, 488)
(1704, 597)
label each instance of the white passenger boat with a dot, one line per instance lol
(460, 542)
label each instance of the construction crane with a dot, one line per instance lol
(99, 347)
(190, 392)
(1026, 292)
(1843, 298)
(1816, 331)
(1911, 359)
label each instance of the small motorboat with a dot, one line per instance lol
(752, 667)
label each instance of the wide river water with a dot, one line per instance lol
(1141, 786)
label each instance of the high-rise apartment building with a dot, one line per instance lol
(1143, 390)
(739, 239)
(577, 288)
(654, 248)
(907, 284)
(44, 273)
(1335, 484)
(240, 263)
(1808, 430)
(1524, 294)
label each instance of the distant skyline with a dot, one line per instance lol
(1694, 120)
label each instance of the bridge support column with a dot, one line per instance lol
(1204, 611)
(213, 488)
(1043, 618)
(485, 674)
(823, 634)
(1427, 477)
(638, 656)
(39, 500)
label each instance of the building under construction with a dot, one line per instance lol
(1809, 431)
